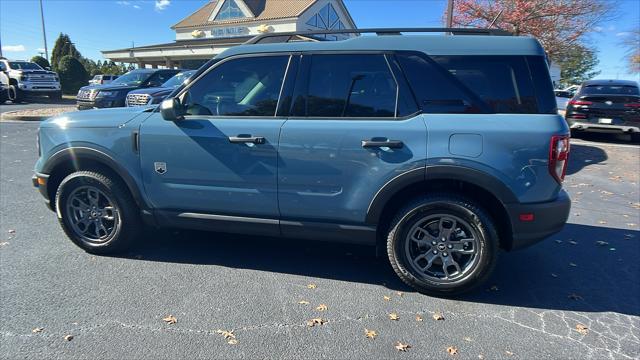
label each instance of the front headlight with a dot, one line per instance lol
(103, 94)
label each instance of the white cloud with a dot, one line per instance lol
(162, 4)
(40, 49)
(123, 3)
(136, 6)
(13, 48)
(598, 29)
(623, 33)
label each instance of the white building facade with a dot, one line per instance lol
(221, 24)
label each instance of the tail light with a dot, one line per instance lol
(559, 157)
(578, 116)
(632, 105)
(579, 102)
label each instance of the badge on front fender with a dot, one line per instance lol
(160, 167)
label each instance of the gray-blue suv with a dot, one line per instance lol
(441, 149)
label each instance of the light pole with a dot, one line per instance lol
(449, 13)
(44, 35)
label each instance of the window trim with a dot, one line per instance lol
(302, 86)
(218, 63)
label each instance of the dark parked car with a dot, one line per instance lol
(611, 106)
(155, 95)
(115, 93)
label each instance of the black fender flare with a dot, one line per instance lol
(73, 153)
(437, 172)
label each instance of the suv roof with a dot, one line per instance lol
(431, 44)
(610, 82)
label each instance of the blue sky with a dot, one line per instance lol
(95, 25)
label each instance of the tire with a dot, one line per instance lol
(15, 94)
(635, 137)
(73, 197)
(470, 220)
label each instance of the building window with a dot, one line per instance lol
(326, 19)
(229, 10)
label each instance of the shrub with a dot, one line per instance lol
(72, 74)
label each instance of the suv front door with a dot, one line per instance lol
(351, 130)
(220, 162)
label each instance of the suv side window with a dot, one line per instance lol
(247, 86)
(358, 85)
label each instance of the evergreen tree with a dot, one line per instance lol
(577, 64)
(42, 62)
(63, 47)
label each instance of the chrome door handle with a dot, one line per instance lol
(392, 144)
(247, 139)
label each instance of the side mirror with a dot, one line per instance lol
(171, 110)
(47, 68)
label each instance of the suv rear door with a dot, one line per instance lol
(350, 131)
(220, 162)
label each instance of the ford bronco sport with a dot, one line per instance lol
(441, 149)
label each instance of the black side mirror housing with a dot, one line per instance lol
(171, 110)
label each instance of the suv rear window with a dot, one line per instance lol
(609, 90)
(480, 84)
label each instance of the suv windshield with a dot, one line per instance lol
(23, 65)
(178, 79)
(610, 90)
(134, 77)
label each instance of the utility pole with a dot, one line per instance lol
(44, 34)
(449, 13)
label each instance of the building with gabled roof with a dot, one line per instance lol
(221, 24)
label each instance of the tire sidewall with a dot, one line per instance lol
(70, 184)
(486, 240)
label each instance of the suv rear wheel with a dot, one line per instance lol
(442, 245)
(97, 213)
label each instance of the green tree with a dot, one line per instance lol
(577, 64)
(62, 48)
(72, 74)
(40, 61)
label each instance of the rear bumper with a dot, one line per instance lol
(584, 126)
(548, 219)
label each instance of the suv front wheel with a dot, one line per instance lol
(97, 213)
(442, 245)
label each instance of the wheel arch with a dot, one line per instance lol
(72, 159)
(477, 185)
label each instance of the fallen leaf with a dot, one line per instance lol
(466, 338)
(37, 330)
(452, 350)
(226, 334)
(400, 293)
(604, 192)
(574, 296)
(11, 231)
(602, 243)
(582, 329)
(394, 316)
(402, 347)
(68, 337)
(418, 318)
(316, 321)
(602, 222)
(303, 302)
(170, 320)
(311, 286)
(232, 341)
(508, 352)
(386, 298)
(370, 334)
(438, 316)
(321, 307)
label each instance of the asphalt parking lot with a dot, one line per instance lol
(36, 104)
(114, 306)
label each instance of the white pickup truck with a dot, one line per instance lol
(27, 79)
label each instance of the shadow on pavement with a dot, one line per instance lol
(543, 276)
(582, 156)
(611, 138)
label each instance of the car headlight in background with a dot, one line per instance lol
(105, 94)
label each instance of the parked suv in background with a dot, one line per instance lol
(102, 79)
(115, 93)
(28, 79)
(155, 95)
(440, 150)
(608, 106)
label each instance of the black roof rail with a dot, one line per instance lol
(313, 35)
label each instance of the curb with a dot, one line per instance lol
(9, 116)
